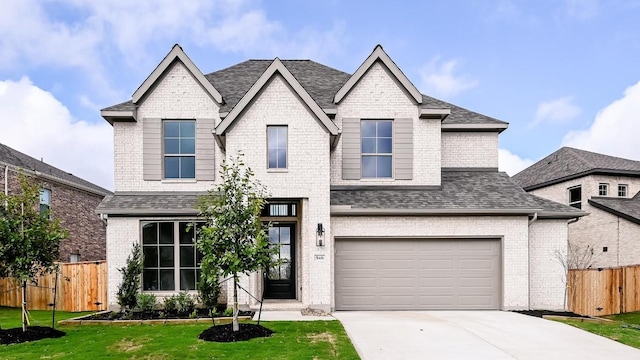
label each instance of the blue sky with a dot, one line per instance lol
(561, 72)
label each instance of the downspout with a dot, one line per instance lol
(533, 219)
(6, 179)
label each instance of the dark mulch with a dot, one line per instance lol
(225, 333)
(156, 314)
(540, 313)
(33, 333)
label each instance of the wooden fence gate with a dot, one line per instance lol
(81, 287)
(596, 292)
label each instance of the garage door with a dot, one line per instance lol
(417, 274)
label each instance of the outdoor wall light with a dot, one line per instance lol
(320, 235)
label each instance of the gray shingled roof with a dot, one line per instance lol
(461, 191)
(320, 81)
(569, 163)
(181, 203)
(22, 161)
(623, 207)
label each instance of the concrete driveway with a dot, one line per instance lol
(472, 335)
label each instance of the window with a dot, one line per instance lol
(277, 147)
(603, 189)
(179, 149)
(280, 210)
(622, 190)
(575, 197)
(376, 148)
(162, 244)
(45, 201)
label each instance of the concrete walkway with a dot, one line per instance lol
(473, 335)
(288, 315)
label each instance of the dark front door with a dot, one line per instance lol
(280, 280)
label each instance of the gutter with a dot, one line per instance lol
(6, 180)
(346, 210)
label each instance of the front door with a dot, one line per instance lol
(280, 280)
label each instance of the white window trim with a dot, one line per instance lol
(626, 190)
(605, 187)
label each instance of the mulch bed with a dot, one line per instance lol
(156, 314)
(225, 333)
(540, 313)
(33, 333)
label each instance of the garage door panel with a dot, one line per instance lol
(417, 274)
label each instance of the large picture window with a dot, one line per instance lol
(277, 147)
(179, 149)
(171, 260)
(376, 148)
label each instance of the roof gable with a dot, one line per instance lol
(378, 55)
(276, 67)
(568, 163)
(626, 208)
(176, 54)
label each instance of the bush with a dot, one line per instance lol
(146, 302)
(209, 292)
(185, 304)
(170, 304)
(228, 312)
(129, 288)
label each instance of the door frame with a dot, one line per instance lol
(292, 253)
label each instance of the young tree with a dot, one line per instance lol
(233, 240)
(129, 287)
(29, 238)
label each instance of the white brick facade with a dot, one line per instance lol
(600, 229)
(469, 150)
(547, 277)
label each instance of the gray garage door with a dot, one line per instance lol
(417, 274)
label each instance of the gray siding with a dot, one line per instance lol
(351, 149)
(152, 149)
(403, 149)
(205, 150)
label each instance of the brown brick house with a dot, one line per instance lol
(72, 200)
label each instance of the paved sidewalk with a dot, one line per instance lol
(289, 315)
(491, 335)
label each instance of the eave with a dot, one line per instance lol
(474, 127)
(119, 116)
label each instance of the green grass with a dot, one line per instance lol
(616, 329)
(292, 340)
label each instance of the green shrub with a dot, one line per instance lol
(130, 286)
(209, 292)
(185, 303)
(171, 304)
(228, 312)
(146, 302)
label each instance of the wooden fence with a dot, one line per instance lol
(81, 287)
(596, 292)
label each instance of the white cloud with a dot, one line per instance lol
(556, 111)
(615, 128)
(582, 9)
(440, 78)
(511, 163)
(34, 122)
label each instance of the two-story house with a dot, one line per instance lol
(71, 199)
(381, 197)
(606, 187)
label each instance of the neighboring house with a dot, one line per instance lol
(71, 199)
(382, 197)
(606, 187)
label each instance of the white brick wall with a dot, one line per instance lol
(306, 178)
(377, 96)
(547, 278)
(122, 233)
(600, 229)
(512, 230)
(470, 149)
(177, 96)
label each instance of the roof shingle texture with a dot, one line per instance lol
(567, 163)
(461, 190)
(625, 206)
(19, 160)
(151, 203)
(320, 81)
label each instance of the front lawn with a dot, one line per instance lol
(625, 328)
(292, 340)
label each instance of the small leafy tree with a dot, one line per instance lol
(29, 239)
(209, 292)
(233, 240)
(129, 288)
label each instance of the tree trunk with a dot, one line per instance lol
(24, 306)
(236, 325)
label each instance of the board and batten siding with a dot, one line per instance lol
(402, 151)
(152, 149)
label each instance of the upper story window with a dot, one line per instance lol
(277, 147)
(376, 148)
(622, 190)
(603, 189)
(171, 259)
(575, 197)
(179, 149)
(45, 200)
